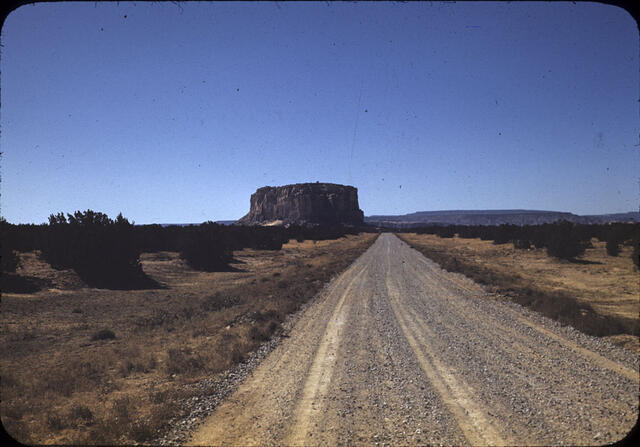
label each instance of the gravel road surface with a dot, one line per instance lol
(399, 351)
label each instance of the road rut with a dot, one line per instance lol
(398, 351)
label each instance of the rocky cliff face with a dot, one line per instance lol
(304, 203)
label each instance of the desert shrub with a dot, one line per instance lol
(180, 361)
(613, 238)
(258, 334)
(81, 412)
(206, 248)
(469, 231)
(217, 302)
(446, 232)
(155, 237)
(221, 240)
(14, 283)
(500, 239)
(158, 317)
(105, 334)
(503, 234)
(14, 408)
(486, 234)
(101, 250)
(58, 382)
(73, 376)
(523, 244)
(10, 260)
(563, 242)
(232, 351)
(613, 247)
(565, 249)
(262, 238)
(55, 422)
(141, 364)
(635, 255)
(615, 235)
(429, 229)
(123, 408)
(537, 236)
(143, 430)
(262, 331)
(21, 237)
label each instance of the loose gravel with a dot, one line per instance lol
(398, 351)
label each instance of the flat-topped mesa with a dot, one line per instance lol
(304, 203)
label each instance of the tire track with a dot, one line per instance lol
(458, 396)
(266, 395)
(492, 324)
(319, 376)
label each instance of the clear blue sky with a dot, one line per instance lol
(178, 113)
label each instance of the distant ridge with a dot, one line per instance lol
(493, 217)
(632, 216)
(479, 217)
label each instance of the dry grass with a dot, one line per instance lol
(95, 366)
(599, 294)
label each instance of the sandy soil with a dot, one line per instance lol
(398, 351)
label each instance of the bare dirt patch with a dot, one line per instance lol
(96, 366)
(598, 294)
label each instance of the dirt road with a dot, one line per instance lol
(398, 351)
